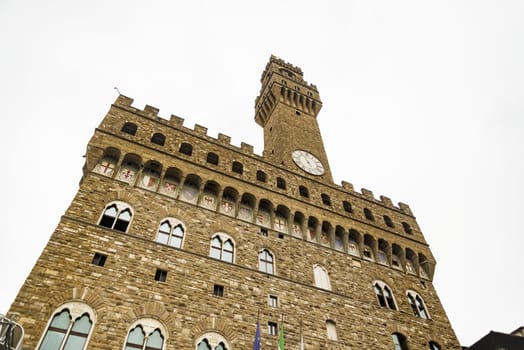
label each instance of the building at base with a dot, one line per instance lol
(179, 240)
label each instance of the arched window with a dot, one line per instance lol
(399, 341)
(158, 139)
(303, 191)
(331, 328)
(145, 334)
(212, 158)
(186, 148)
(117, 216)
(129, 168)
(368, 214)
(107, 164)
(261, 176)
(222, 247)
(69, 328)
(347, 207)
(388, 221)
(407, 228)
(129, 128)
(417, 305)
(281, 183)
(321, 277)
(325, 199)
(266, 262)
(433, 346)
(353, 242)
(212, 341)
(171, 232)
(237, 167)
(384, 295)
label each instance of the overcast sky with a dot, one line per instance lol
(423, 103)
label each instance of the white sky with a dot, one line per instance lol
(423, 103)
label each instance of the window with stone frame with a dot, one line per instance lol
(266, 262)
(158, 138)
(212, 158)
(212, 341)
(417, 304)
(433, 346)
(281, 183)
(145, 334)
(399, 341)
(171, 232)
(69, 328)
(186, 148)
(222, 247)
(129, 128)
(384, 295)
(237, 167)
(331, 330)
(368, 214)
(261, 176)
(321, 277)
(116, 216)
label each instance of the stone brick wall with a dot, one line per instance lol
(124, 289)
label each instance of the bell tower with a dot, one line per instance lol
(287, 109)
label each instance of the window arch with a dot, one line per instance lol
(117, 216)
(384, 295)
(222, 247)
(129, 168)
(388, 221)
(70, 327)
(266, 262)
(281, 183)
(321, 277)
(261, 176)
(158, 139)
(347, 207)
(368, 214)
(146, 334)
(325, 199)
(417, 305)
(433, 346)
(186, 148)
(212, 158)
(129, 128)
(399, 341)
(237, 167)
(407, 228)
(212, 341)
(303, 191)
(171, 232)
(107, 164)
(331, 329)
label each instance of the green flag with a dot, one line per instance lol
(281, 338)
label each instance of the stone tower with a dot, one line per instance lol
(179, 240)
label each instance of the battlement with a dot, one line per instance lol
(247, 149)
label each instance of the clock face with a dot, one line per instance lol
(308, 162)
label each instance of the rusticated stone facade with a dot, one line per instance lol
(187, 176)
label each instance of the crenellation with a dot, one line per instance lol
(176, 120)
(367, 193)
(246, 148)
(387, 201)
(200, 130)
(348, 186)
(151, 111)
(405, 208)
(225, 139)
(122, 100)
